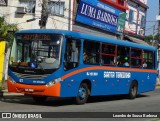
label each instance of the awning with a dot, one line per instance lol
(136, 40)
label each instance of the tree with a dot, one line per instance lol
(150, 39)
(6, 34)
(7, 31)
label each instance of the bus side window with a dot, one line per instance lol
(148, 59)
(136, 58)
(123, 56)
(91, 51)
(72, 54)
(108, 54)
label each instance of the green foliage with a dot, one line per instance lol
(7, 31)
(150, 38)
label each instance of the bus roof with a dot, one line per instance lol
(89, 37)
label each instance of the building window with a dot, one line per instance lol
(121, 2)
(28, 5)
(131, 16)
(56, 8)
(3, 2)
(143, 22)
(123, 56)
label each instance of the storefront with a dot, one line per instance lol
(97, 18)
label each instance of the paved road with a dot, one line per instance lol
(147, 102)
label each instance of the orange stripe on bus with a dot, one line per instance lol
(108, 69)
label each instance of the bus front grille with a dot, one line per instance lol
(30, 76)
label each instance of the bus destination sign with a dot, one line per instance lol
(36, 37)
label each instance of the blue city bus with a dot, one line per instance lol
(59, 63)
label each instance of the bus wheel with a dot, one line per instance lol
(133, 90)
(83, 93)
(39, 99)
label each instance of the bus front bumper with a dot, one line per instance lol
(39, 90)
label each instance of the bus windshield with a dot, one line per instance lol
(36, 51)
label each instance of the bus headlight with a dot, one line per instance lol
(12, 80)
(53, 82)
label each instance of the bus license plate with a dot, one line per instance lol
(29, 90)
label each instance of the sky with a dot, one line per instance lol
(152, 12)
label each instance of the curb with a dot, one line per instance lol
(6, 93)
(12, 94)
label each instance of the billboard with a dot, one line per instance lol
(121, 22)
(97, 14)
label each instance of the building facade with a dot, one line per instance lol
(4, 9)
(98, 17)
(27, 13)
(109, 18)
(136, 20)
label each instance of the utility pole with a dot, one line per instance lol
(44, 14)
(158, 80)
(159, 23)
(153, 37)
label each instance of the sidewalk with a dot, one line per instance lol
(158, 82)
(157, 87)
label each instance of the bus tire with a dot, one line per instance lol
(133, 90)
(83, 94)
(39, 99)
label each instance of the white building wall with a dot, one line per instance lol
(139, 11)
(143, 1)
(60, 22)
(4, 11)
(54, 22)
(131, 27)
(140, 29)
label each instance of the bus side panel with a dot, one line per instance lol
(152, 81)
(146, 82)
(69, 86)
(102, 84)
